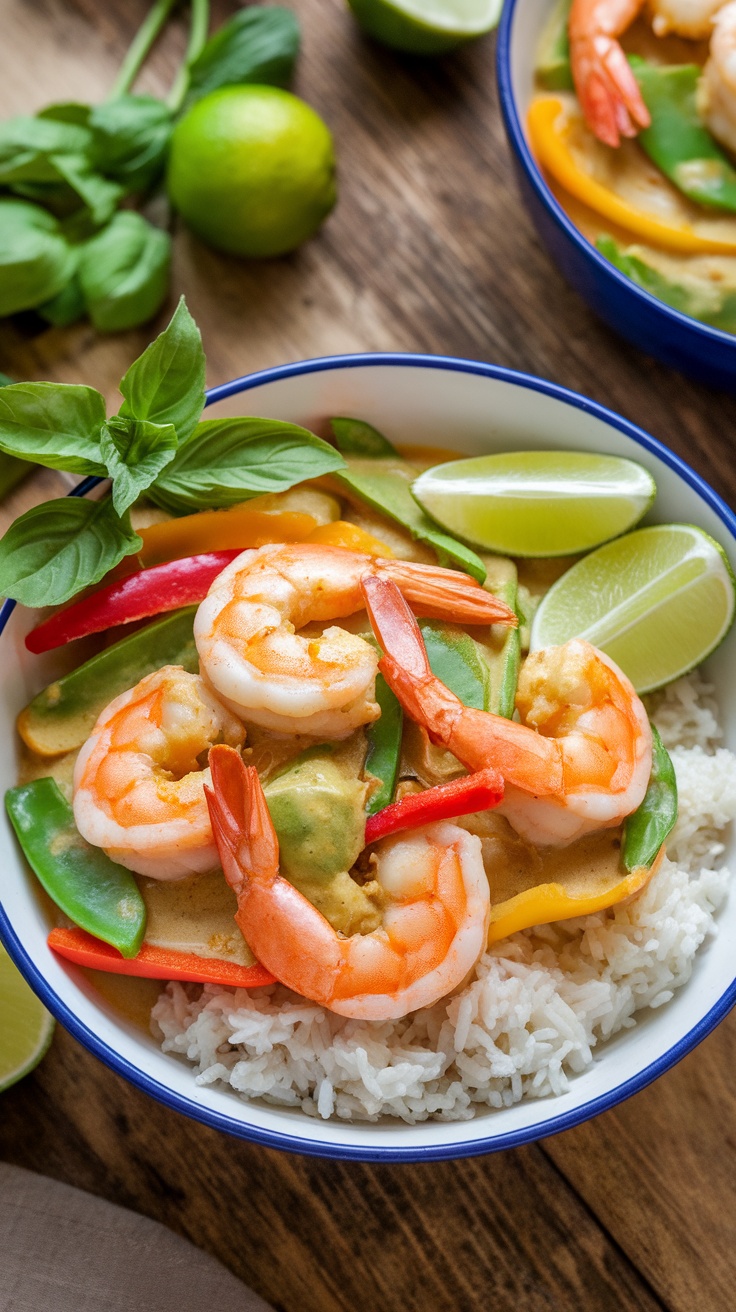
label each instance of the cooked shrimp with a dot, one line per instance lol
(717, 88)
(435, 918)
(692, 19)
(608, 92)
(139, 780)
(579, 761)
(321, 684)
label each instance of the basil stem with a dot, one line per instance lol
(142, 43)
(646, 830)
(197, 39)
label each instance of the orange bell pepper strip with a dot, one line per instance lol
(219, 530)
(546, 903)
(547, 134)
(156, 963)
(341, 533)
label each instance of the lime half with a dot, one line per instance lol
(426, 27)
(537, 503)
(26, 1028)
(657, 601)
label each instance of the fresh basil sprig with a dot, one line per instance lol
(230, 460)
(155, 444)
(72, 252)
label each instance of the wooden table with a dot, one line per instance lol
(428, 250)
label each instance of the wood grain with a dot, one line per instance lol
(428, 250)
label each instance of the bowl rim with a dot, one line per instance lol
(389, 1153)
(518, 141)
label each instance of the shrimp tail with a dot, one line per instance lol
(445, 594)
(243, 829)
(605, 84)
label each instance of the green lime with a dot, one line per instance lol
(27, 1027)
(537, 503)
(657, 601)
(426, 27)
(252, 170)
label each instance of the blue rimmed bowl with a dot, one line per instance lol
(706, 353)
(436, 402)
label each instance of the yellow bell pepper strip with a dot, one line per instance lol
(93, 891)
(218, 530)
(340, 533)
(545, 903)
(473, 792)
(156, 963)
(548, 136)
(62, 716)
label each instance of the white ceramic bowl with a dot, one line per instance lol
(473, 408)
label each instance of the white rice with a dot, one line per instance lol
(540, 1001)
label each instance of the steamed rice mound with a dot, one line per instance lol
(537, 1007)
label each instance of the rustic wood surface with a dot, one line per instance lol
(428, 250)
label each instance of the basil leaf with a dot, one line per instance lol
(256, 45)
(231, 460)
(36, 261)
(649, 826)
(5, 381)
(135, 451)
(66, 307)
(354, 437)
(124, 272)
(60, 547)
(53, 424)
(28, 147)
(166, 383)
(130, 138)
(67, 111)
(12, 471)
(99, 195)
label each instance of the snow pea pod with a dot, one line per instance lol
(711, 302)
(646, 830)
(98, 895)
(677, 140)
(384, 747)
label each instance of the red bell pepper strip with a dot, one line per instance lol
(148, 592)
(474, 792)
(155, 963)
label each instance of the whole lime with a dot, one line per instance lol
(252, 170)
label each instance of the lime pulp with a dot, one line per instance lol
(27, 1027)
(658, 602)
(537, 503)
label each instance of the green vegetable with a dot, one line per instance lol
(354, 437)
(56, 548)
(36, 261)
(503, 647)
(384, 747)
(124, 272)
(711, 302)
(229, 460)
(66, 307)
(12, 471)
(258, 45)
(130, 139)
(646, 830)
(54, 424)
(456, 659)
(552, 64)
(61, 717)
(385, 484)
(677, 140)
(135, 452)
(98, 895)
(318, 813)
(166, 383)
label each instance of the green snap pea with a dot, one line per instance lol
(384, 747)
(678, 141)
(98, 895)
(646, 830)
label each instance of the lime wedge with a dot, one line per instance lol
(657, 601)
(26, 1028)
(537, 503)
(426, 27)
